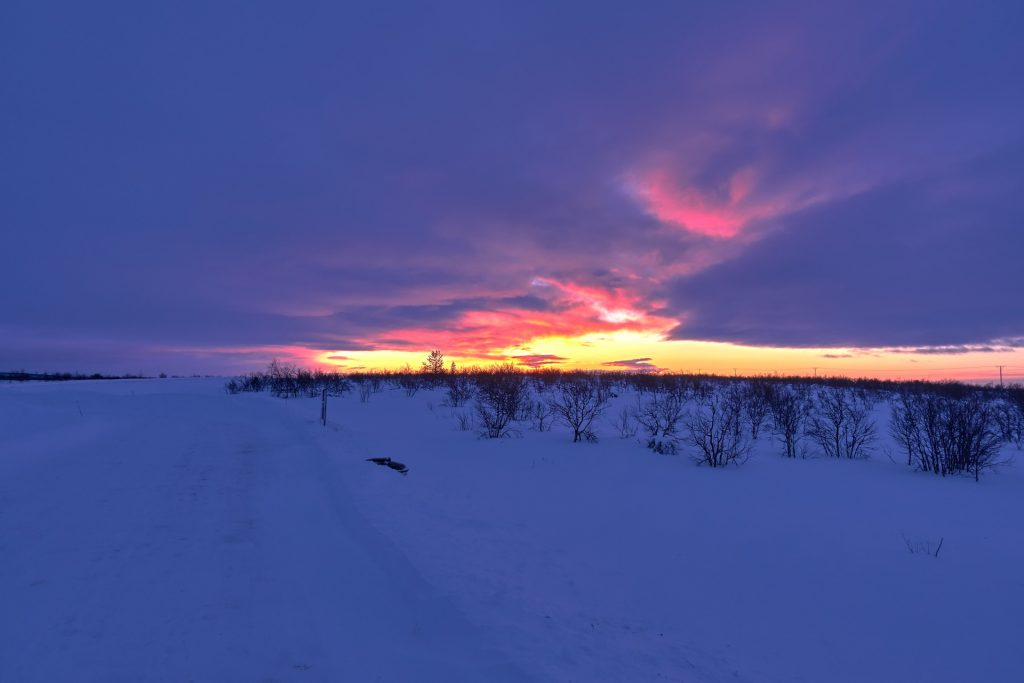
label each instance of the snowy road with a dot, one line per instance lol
(152, 535)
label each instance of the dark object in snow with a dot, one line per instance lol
(397, 466)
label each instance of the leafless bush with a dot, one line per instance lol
(365, 389)
(789, 407)
(904, 421)
(464, 420)
(543, 415)
(840, 423)
(659, 418)
(756, 405)
(715, 429)
(696, 388)
(948, 435)
(524, 412)
(626, 423)
(409, 383)
(577, 403)
(460, 389)
(604, 386)
(1010, 416)
(922, 547)
(500, 397)
(543, 379)
(253, 382)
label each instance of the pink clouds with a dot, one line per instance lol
(571, 310)
(700, 212)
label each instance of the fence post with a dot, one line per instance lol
(323, 408)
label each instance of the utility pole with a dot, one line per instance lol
(815, 371)
(1000, 375)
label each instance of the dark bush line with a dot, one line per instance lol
(643, 382)
(288, 381)
(22, 376)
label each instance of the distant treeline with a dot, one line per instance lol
(290, 381)
(21, 376)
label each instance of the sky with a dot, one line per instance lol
(794, 187)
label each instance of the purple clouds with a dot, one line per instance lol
(182, 184)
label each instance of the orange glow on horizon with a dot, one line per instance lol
(597, 351)
(593, 328)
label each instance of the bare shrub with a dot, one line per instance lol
(715, 429)
(659, 418)
(919, 547)
(756, 405)
(253, 382)
(1010, 416)
(788, 408)
(464, 420)
(626, 423)
(904, 420)
(460, 389)
(409, 383)
(365, 389)
(542, 417)
(543, 379)
(946, 435)
(604, 387)
(841, 423)
(500, 397)
(524, 412)
(577, 403)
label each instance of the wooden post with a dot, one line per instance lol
(323, 408)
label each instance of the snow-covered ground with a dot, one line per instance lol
(162, 530)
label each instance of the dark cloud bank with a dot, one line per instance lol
(197, 175)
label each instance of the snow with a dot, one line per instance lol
(164, 531)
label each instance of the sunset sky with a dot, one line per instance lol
(796, 187)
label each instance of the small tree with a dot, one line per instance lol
(432, 369)
(715, 429)
(577, 403)
(434, 364)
